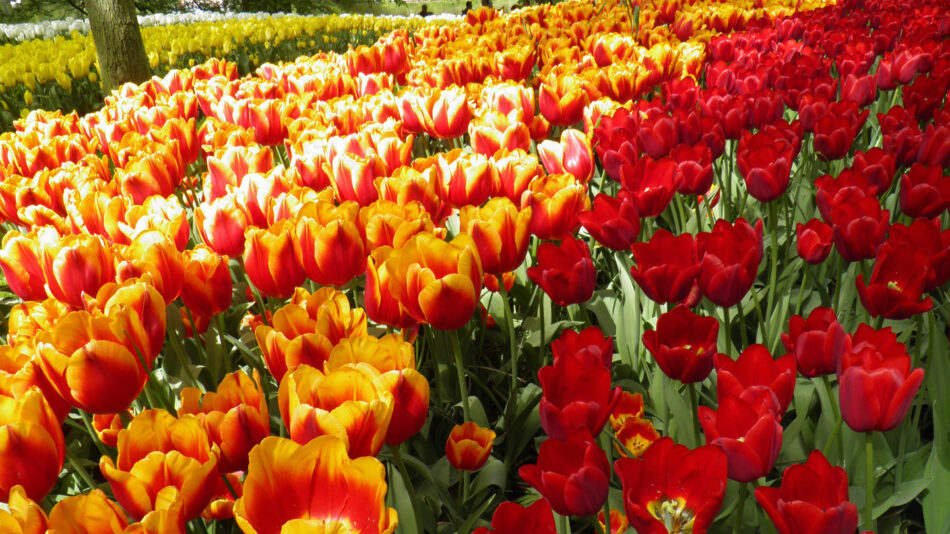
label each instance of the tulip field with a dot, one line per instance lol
(660, 266)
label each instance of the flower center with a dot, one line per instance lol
(673, 514)
(895, 286)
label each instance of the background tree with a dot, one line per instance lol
(119, 46)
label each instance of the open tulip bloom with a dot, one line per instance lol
(565, 267)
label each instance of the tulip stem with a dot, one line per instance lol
(92, 433)
(694, 414)
(514, 349)
(541, 325)
(838, 419)
(564, 524)
(869, 481)
(460, 370)
(740, 507)
(773, 262)
(801, 289)
(728, 325)
(404, 474)
(79, 469)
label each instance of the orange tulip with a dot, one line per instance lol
(270, 262)
(378, 301)
(313, 488)
(20, 261)
(636, 435)
(555, 201)
(157, 430)
(327, 243)
(450, 113)
(500, 233)
(494, 131)
(154, 256)
(438, 282)
(145, 325)
(32, 449)
(28, 319)
(515, 62)
(306, 330)
(235, 416)
(19, 373)
(89, 513)
(347, 402)
(465, 179)
(108, 426)
(74, 264)
(516, 170)
(221, 224)
(628, 405)
(99, 213)
(562, 99)
(411, 184)
(469, 446)
(206, 285)
(24, 515)
(158, 171)
(573, 155)
(229, 165)
(221, 506)
(386, 223)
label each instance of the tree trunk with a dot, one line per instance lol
(119, 46)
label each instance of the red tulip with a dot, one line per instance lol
(673, 489)
(877, 165)
(925, 191)
(512, 518)
(573, 475)
(667, 266)
(651, 183)
(613, 222)
(812, 499)
(817, 343)
(694, 168)
(730, 254)
(750, 438)
(590, 344)
(895, 290)
(683, 344)
(765, 162)
(834, 134)
(754, 371)
(566, 272)
(814, 241)
(576, 395)
(876, 384)
(925, 236)
(859, 228)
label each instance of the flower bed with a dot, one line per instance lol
(695, 286)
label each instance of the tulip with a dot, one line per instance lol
(590, 345)
(450, 113)
(834, 135)
(20, 261)
(311, 486)
(925, 191)
(636, 435)
(751, 439)
(469, 446)
(755, 372)
(88, 513)
(572, 155)
(221, 224)
(667, 266)
(862, 90)
(573, 475)
(354, 176)
(613, 222)
(516, 171)
(731, 255)
(327, 243)
(385, 223)
(555, 201)
(895, 289)
(876, 383)
(817, 342)
(229, 165)
(436, 281)
(859, 228)
(683, 344)
(153, 256)
(23, 515)
(651, 183)
(814, 241)
(812, 498)
(235, 417)
(562, 99)
(925, 236)
(74, 264)
(765, 163)
(465, 179)
(269, 260)
(877, 165)
(495, 131)
(206, 284)
(673, 489)
(32, 446)
(348, 402)
(693, 168)
(500, 233)
(566, 272)
(512, 518)
(576, 395)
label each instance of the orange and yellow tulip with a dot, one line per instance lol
(327, 243)
(469, 446)
(500, 233)
(74, 265)
(32, 448)
(24, 515)
(465, 179)
(89, 513)
(378, 301)
(206, 285)
(20, 261)
(555, 201)
(270, 262)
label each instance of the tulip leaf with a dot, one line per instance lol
(402, 504)
(493, 473)
(681, 417)
(936, 501)
(478, 411)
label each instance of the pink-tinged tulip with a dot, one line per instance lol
(566, 272)
(817, 342)
(573, 155)
(731, 255)
(573, 475)
(667, 266)
(876, 383)
(750, 438)
(683, 344)
(753, 372)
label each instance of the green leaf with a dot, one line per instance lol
(493, 473)
(401, 502)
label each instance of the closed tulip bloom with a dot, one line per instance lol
(667, 266)
(566, 272)
(895, 289)
(270, 262)
(378, 301)
(385, 223)
(573, 475)
(589, 344)
(877, 165)
(437, 281)
(925, 191)
(926, 236)
(834, 135)
(500, 232)
(469, 446)
(305, 330)
(221, 224)
(235, 416)
(876, 383)
(23, 515)
(20, 261)
(450, 113)
(516, 171)
(154, 256)
(731, 255)
(765, 162)
(573, 155)
(859, 228)
(555, 201)
(327, 243)
(613, 221)
(410, 391)
(512, 518)
(32, 446)
(751, 439)
(814, 241)
(494, 131)
(353, 178)
(562, 99)
(683, 344)
(145, 325)
(693, 168)
(348, 402)
(465, 179)
(206, 286)
(576, 396)
(812, 499)
(671, 489)
(311, 487)
(75, 264)
(862, 90)
(651, 183)
(817, 342)
(754, 371)
(87, 513)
